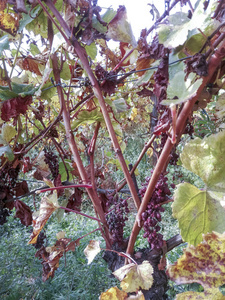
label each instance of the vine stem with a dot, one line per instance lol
(62, 187)
(72, 144)
(162, 162)
(98, 93)
(79, 213)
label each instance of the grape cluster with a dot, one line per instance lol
(52, 161)
(117, 217)
(152, 215)
(8, 180)
(4, 213)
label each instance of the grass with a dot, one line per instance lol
(20, 272)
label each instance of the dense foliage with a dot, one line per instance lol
(70, 108)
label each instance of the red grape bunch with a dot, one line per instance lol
(116, 217)
(152, 215)
(52, 161)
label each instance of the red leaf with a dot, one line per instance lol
(75, 200)
(21, 188)
(13, 107)
(23, 212)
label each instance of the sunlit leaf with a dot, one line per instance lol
(88, 117)
(91, 50)
(113, 294)
(181, 89)
(9, 22)
(92, 249)
(220, 107)
(203, 264)
(8, 132)
(47, 207)
(209, 294)
(179, 27)
(106, 17)
(197, 213)
(206, 158)
(119, 29)
(133, 276)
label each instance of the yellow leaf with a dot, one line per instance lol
(133, 276)
(113, 294)
(47, 207)
(92, 249)
(203, 264)
(60, 235)
(208, 294)
(9, 23)
(8, 132)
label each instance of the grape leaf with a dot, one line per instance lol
(7, 151)
(197, 212)
(179, 28)
(113, 294)
(50, 256)
(91, 50)
(4, 43)
(209, 294)
(9, 22)
(23, 212)
(87, 117)
(133, 276)
(119, 29)
(8, 132)
(181, 89)
(107, 17)
(220, 107)
(206, 158)
(200, 211)
(92, 249)
(48, 206)
(203, 264)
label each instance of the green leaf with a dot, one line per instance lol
(206, 158)
(7, 151)
(180, 28)
(175, 32)
(120, 105)
(62, 170)
(88, 117)
(4, 43)
(91, 50)
(48, 91)
(65, 73)
(34, 49)
(181, 89)
(28, 18)
(119, 29)
(107, 17)
(197, 213)
(8, 132)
